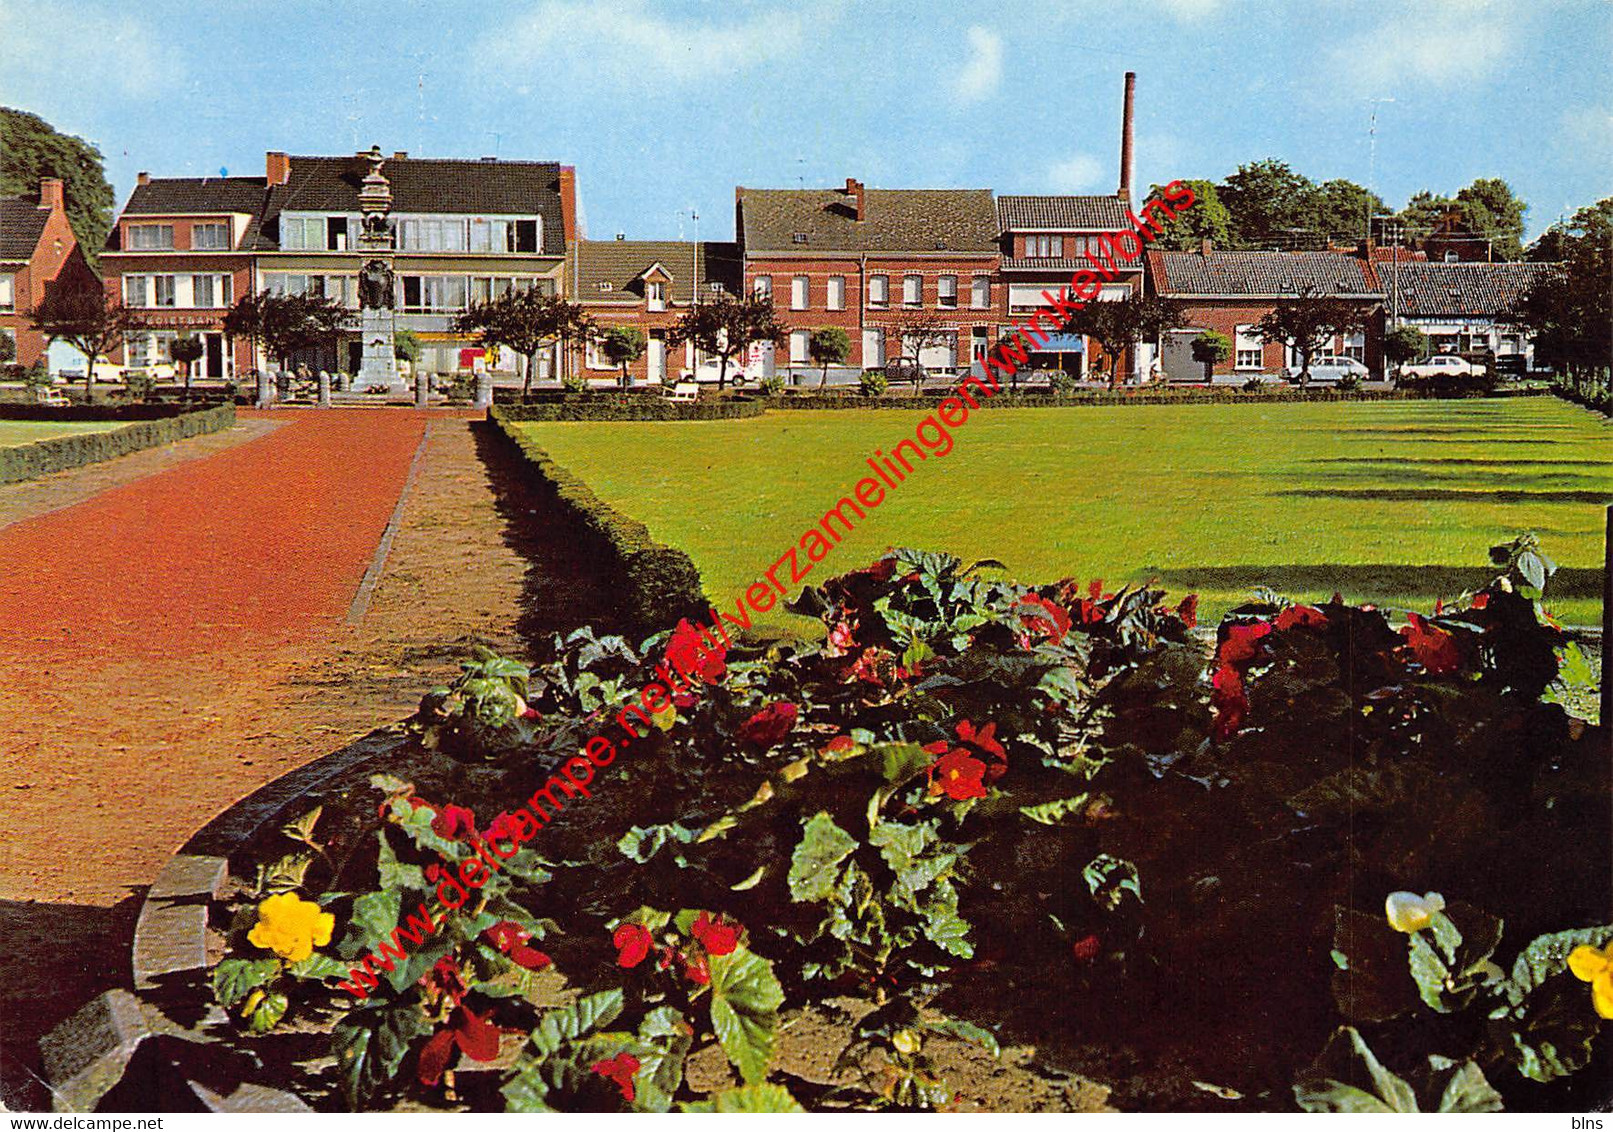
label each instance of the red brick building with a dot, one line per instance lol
(874, 262)
(1230, 292)
(38, 253)
(648, 284)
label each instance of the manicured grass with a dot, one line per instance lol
(26, 432)
(1393, 502)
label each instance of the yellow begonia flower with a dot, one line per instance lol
(1595, 967)
(1409, 912)
(291, 927)
(666, 718)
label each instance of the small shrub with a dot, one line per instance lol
(37, 374)
(772, 386)
(1062, 383)
(139, 386)
(1349, 383)
(574, 383)
(873, 382)
(1253, 385)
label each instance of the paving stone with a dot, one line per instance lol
(250, 1098)
(87, 1054)
(171, 934)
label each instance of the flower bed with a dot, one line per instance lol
(147, 430)
(629, 407)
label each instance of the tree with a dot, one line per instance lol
(623, 345)
(1308, 322)
(84, 318)
(1404, 343)
(1118, 323)
(186, 350)
(1423, 211)
(1490, 208)
(526, 321)
(829, 347)
(8, 350)
(1211, 348)
(727, 326)
(284, 324)
(1267, 201)
(406, 346)
(1339, 210)
(32, 149)
(1568, 309)
(1208, 219)
(924, 331)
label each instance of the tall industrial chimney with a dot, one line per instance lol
(1125, 135)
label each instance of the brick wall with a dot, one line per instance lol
(1226, 317)
(56, 262)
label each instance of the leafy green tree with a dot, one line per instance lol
(1490, 208)
(83, 318)
(1339, 210)
(187, 349)
(283, 324)
(1211, 348)
(727, 327)
(1309, 322)
(1208, 219)
(526, 321)
(1267, 201)
(406, 346)
(829, 347)
(1118, 323)
(623, 345)
(30, 148)
(1569, 309)
(1404, 343)
(1423, 211)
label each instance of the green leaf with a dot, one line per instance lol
(393, 874)
(745, 997)
(1574, 670)
(667, 1039)
(1546, 956)
(968, 1031)
(374, 916)
(1108, 878)
(285, 874)
(234, 979)
(945, 928)
(267, 1013)
(1346, 1077)
(901, 761)
(370, 1046)
(568, 1023)
(1051, 813)
(751, 881)
(643, 842)
(815, 863)
(302, 829)
(1467, 1090)
(747, 1098)
(899, 844)
(318, 966)
(1549, 1023)
(1449, 967)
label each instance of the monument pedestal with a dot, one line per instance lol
(379, 367)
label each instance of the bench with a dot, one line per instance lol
(44, 395)
(683, 391)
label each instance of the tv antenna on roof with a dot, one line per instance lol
(1372, 156)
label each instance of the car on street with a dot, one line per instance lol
(1443, 365)
(706, 372)
(1327, 369)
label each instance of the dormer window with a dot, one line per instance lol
(798, 238)
(210, 237)
(151, 237)
(714, 288)
(1044, 247)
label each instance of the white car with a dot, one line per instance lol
(706, 372)
(1329, 368)
(1443, 365)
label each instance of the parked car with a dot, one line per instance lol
(1326, 369)
(1443, 365)
(112, 373)
(707, 371)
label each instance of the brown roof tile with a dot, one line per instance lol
(1090, 213)
(622, 263)
(22, 222)
(1257, 273)
(895, 220)
(1469, 290)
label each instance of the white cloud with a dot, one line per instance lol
(38, 71)
(625, 39)
(1076, 174)
(1439, 42)
(983, 73)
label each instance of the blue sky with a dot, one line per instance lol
(665, 107)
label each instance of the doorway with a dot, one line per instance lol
(656, 366)
(213, 345)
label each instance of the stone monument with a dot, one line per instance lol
(376, 292)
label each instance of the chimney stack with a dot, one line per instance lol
(277, 168)
(402, 154)
(1125, 135)
(50, 193)
(854, 188)
(142, 178)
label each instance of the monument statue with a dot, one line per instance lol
(375, 286)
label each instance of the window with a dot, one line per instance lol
(1355, 346)
(1027, 296)
(798, 237)
(162, 290)
(302, 233)
(800, 347)
(873, 348)
(879, 291)
(151, 237)
(979, 344)
(342, 288)
(1250, 350)
(798, 293)
(603, 285)
(655, 295)
(202, 290)
(912, 290)
(491, 236)
(714, 288)
(432, 235)
(1475, 343)
(210, 237)
(837, 293)
(763, 287)
(1044, 247)
(946, 292)
(980, 292)
(8, 292)
(528, 236)
(336, 233)
(1509, 343)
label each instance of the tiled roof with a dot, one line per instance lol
(1105, 213)
(895, 220)
(620, 263)
(1461, 289)
(193, 196)
(424, 185)
(1234, 274)
(22, 222)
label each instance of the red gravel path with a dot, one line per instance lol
(256, 546)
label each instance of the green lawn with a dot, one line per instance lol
(1393, 502)
(26, 432)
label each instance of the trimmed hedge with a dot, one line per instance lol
(149, 411)
(659, 583)
(631, 408)
(1076, 400)
(42, 457)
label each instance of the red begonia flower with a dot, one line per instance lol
(1046, 618)
(842, 638)
(984, 740)
(1087, 948)
(444, 979)
(1432, 647)
(1228, 701)
(510, 938)
(632, 942)
(1095, 589)
(1301, 617)
(456, 823)
(1240, 642)
(768, 726)
(696, 970)
(839, 743)
(620, 1069)
(476, 1037)
(719, 936)
(1188, 610)
(502, 829)
(1480, 600)
(958, 775)
(938, 748)
(691, 654)
(872, 666)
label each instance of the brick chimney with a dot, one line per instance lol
(568, 203)
(854, 189)
(50, 194)
(401, 154)
(142, 178)
(1126, 114)
(277, 168)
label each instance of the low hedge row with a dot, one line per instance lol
(659, 583)
(42, 457)
(33, 411)
(1008, 400)
(632, 408)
